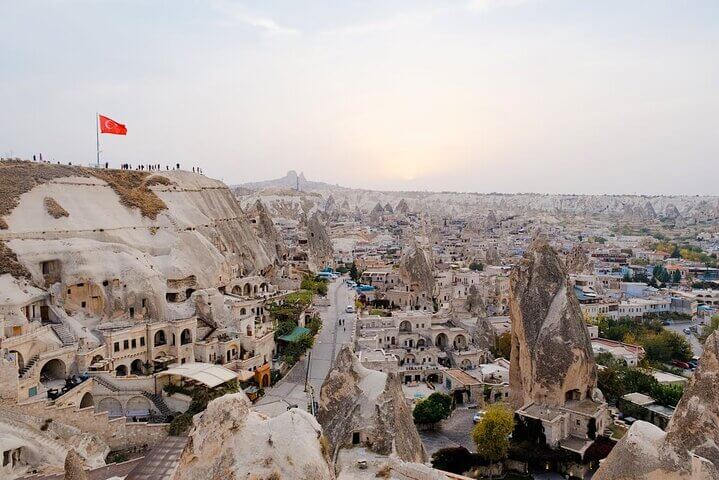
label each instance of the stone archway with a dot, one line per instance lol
(138, 407)
(185, 337)
(137, 367)
(160, 338)
(112, 406)
(54, 369)
(87, 400)
(441, 340)
(460, 342)
(405, 326)
(121, 371)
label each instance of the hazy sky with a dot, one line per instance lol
(473, 95)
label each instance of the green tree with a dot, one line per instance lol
(354, 273)
(491, 434)
(676, 276)
(503, 346)
(476, 266)
(433, 409)
(710, 328)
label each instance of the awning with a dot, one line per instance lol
(164, 359)
(207, 374)
(295, 335)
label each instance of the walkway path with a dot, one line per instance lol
(291, 390)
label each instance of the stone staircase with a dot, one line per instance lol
(105, 383)
(28, 366)
(157, 400)
(63, 333)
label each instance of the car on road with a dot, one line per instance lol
(687, 331)
(350, 309)
(680, 364)
(478, 416)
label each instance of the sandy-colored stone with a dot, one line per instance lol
(551, 350)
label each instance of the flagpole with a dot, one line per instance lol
(97, 137)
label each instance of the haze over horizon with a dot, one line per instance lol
(546, 96)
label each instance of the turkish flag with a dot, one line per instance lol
(108, 125)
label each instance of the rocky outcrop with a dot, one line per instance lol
(671, 211)
(689, 449)
(357, 400)
(491, 256)
(551, 351)
(230, 441)
(577, 261)
(402, 206)
(415, 270)
(74, 469)
(268, 234)
(319, 242)
(483, 334)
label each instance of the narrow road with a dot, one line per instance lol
(328, 342)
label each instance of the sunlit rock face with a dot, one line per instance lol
(689, 449)
(415, 269)
(230, 441)
(371, 403)
(319, 242)
(551, 351)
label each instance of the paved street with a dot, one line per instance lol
(679, 327)
(291, 389)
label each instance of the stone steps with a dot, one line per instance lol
(63, 333)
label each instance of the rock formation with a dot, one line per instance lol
(230, 441)
(483, 335)
(689, 449)
(200, 231)
(551, 350)
(356, 399)
(577, 261)
(267, 233)
(671, 211)
(74, 469)
(415, 269)
(319, 243)
(649, 211)
(491, 256)
(402, 206)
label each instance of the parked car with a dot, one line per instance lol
(350, 309)
(680, 364)
(478, 416)
(687, 331)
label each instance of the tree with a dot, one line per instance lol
(476, 266)
(354, 273)
(491, 434)
(710, 328)
(433, 409)
(504, 345)
(676, 276)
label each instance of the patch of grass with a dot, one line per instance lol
(54, 208)
(18, 177)
(10, 264)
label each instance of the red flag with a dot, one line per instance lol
(108, 125)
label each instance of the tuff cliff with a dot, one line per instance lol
(689, 449)
(415, 269)
(356, 399)
(321, 251)
(230, 441)
(128, 237)
(551, 351)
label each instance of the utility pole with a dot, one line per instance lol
(97, 138)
